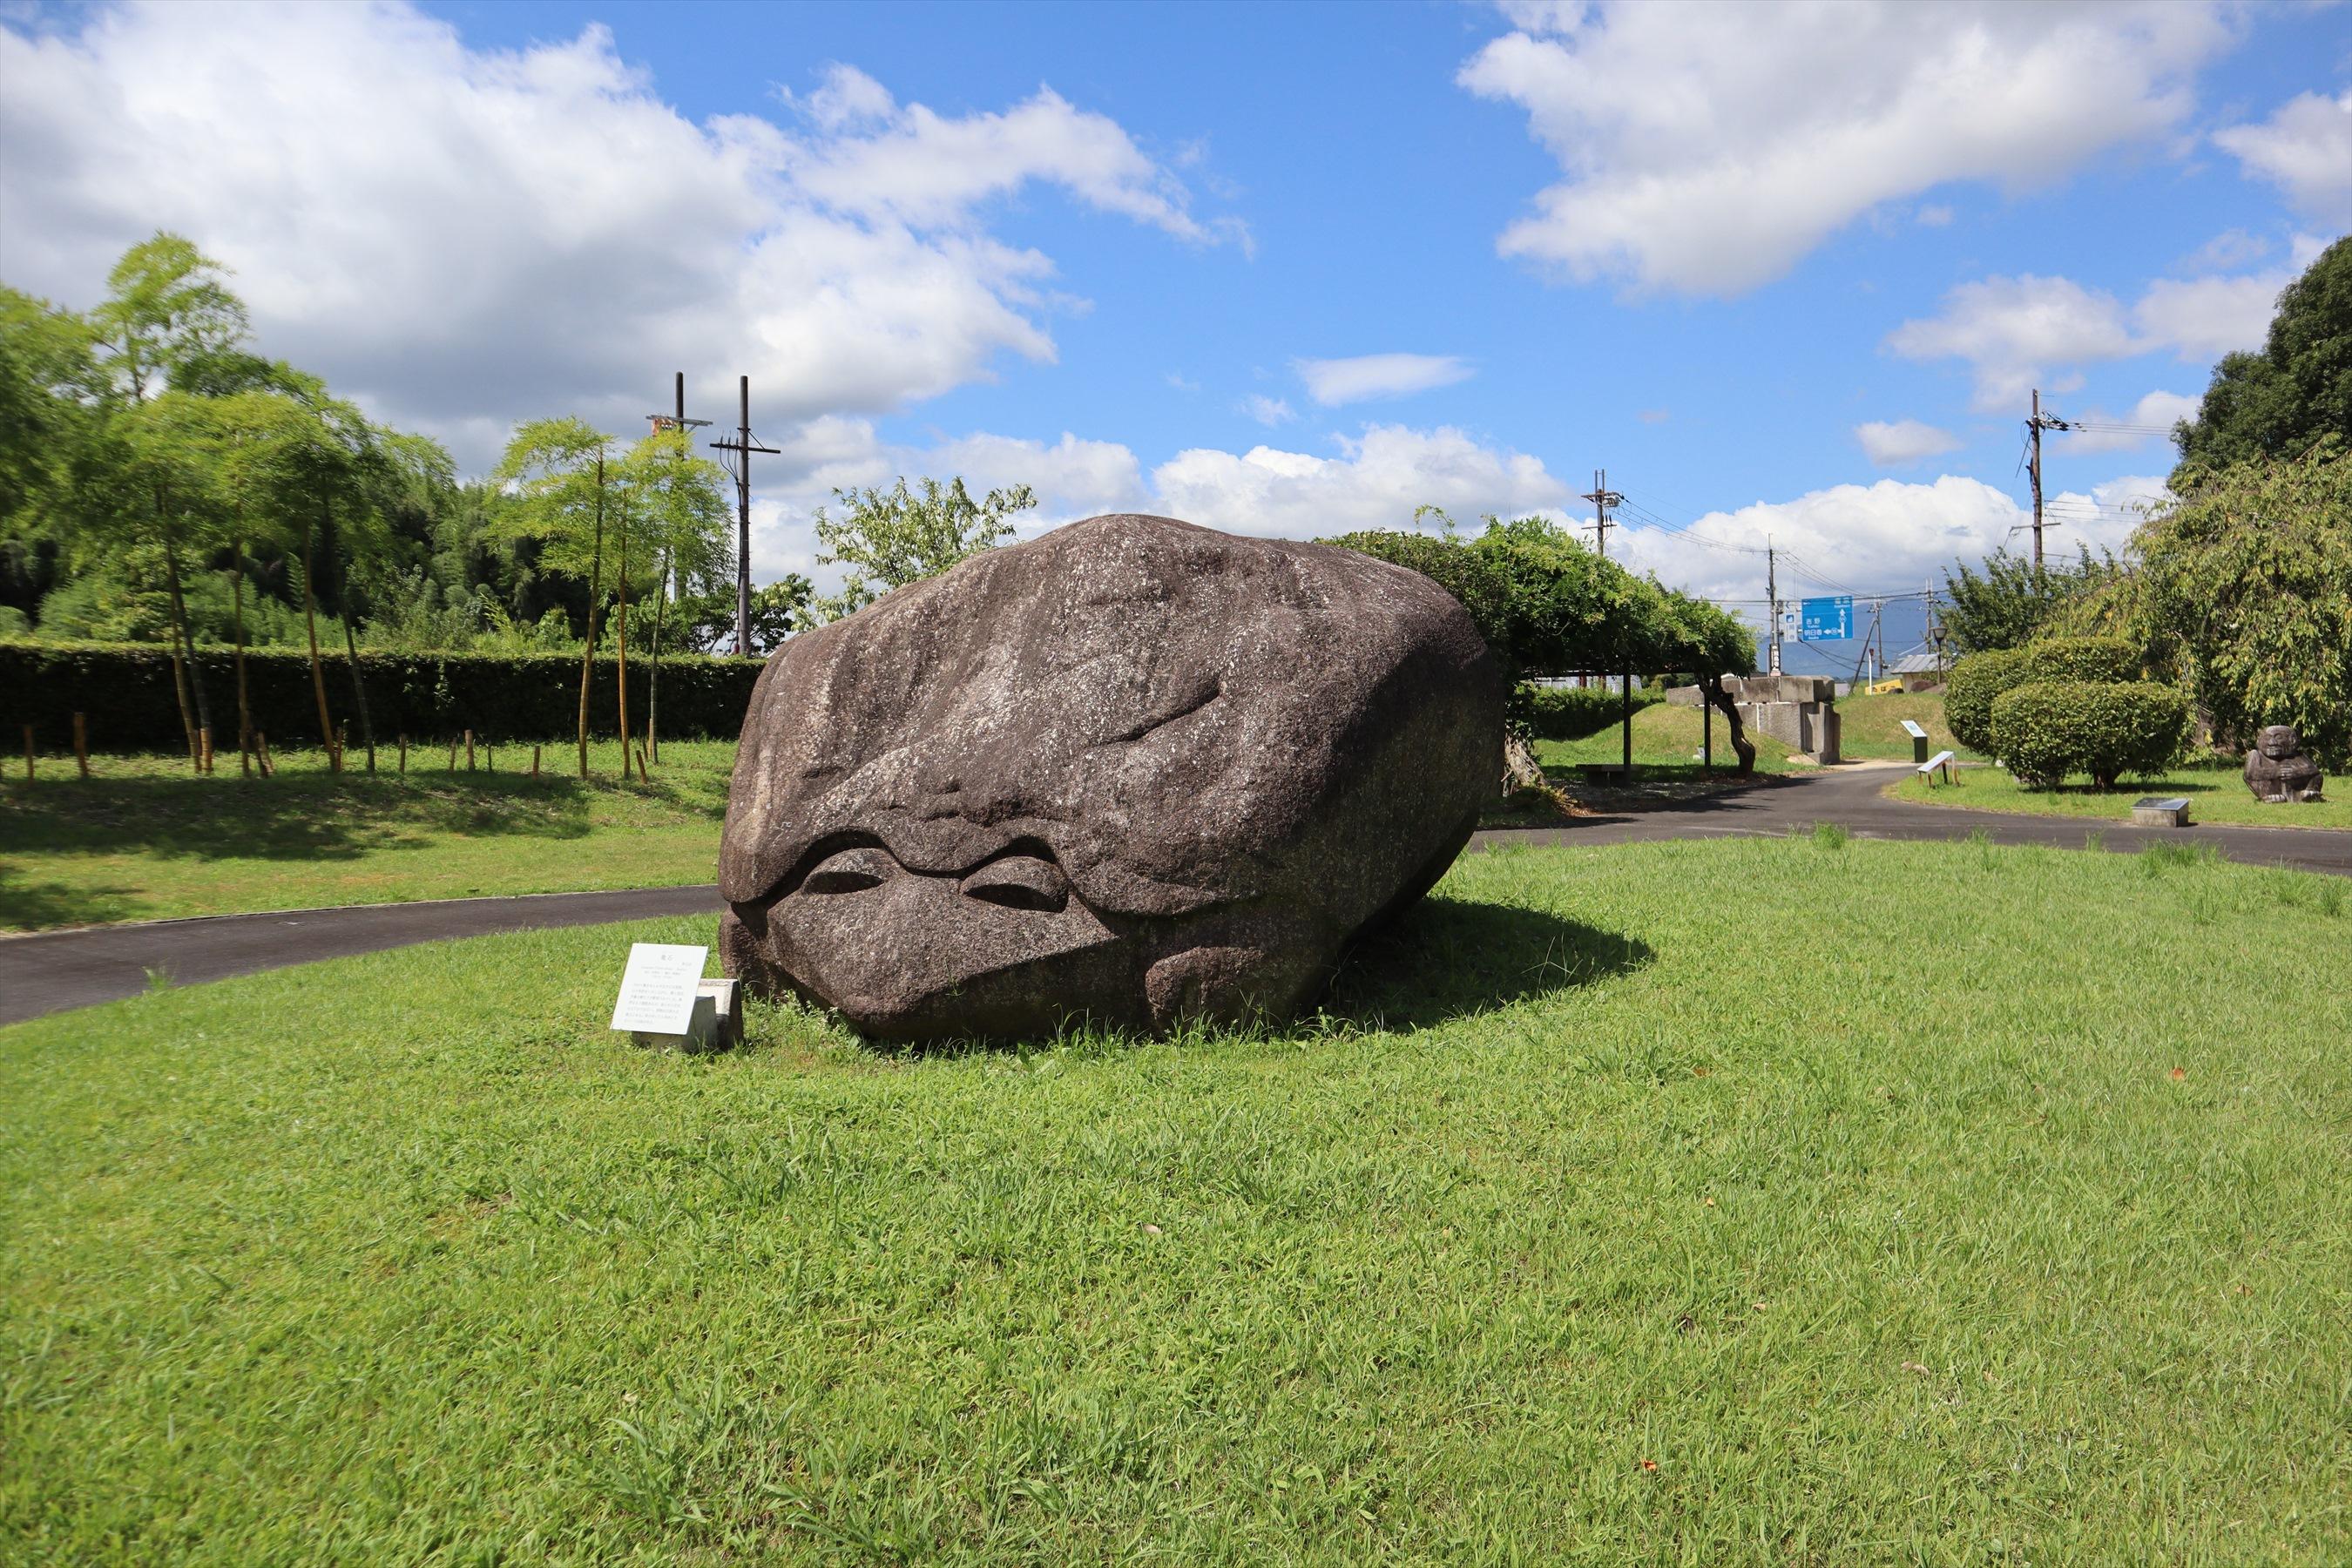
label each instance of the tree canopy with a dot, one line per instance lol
(2012, 600)
(888, 539)
(2278, 401)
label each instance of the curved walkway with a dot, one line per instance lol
(49, 972)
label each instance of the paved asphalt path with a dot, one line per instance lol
(48, 971)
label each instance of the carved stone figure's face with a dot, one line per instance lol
(907, 953)
(2279, 742)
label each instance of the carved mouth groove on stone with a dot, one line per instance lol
(1023, 876)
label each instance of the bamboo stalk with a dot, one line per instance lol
(81, 744)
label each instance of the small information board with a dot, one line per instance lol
(657, 989)
(1911, 727)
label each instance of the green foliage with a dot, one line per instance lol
(2082, 659)
(2012, 601)
(2045, 730)
(14, 623)
(1572, 712)
(1474, 577)
(888, 539)
(2276, 404)
(127, 693)
(48, 379)
(2248, 581)
(168, 308)
(1970, 689)
(706, 620)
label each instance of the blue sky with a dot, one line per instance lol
(1285, 269)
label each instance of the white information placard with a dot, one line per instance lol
(1912, 729)
(657, 988)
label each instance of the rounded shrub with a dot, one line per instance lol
(2045, 730)
(2082, 659)
(1969, 690)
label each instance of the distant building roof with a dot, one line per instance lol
(1912, 664)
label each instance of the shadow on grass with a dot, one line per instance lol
(40, 906)
(310, 816)
(1449, 958)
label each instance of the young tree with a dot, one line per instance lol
(564, 495)
(167, 305)
(2012, 601)
(894, 537)
(675, 496)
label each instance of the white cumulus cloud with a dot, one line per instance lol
(1705, 148)
(2013, 330)
(2306, 150)
(1900, 443)
(2204, 318)
(1331, 382)
(1267, 410)
(463, 237)
(2150, 421)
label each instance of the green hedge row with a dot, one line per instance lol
(1980, 678)
(1572, 712)
(2045, 730)
(126, 690)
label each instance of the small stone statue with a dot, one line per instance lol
(2279, 770)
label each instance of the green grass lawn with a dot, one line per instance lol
(1667, 737)
(1873, 726)
(144, 838)
(2216, 791)
(1735, 1202)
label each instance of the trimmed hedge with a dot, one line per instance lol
(2045, 730)
(1970, 689)
(1572, 712)
(127, 693)
(1977, 682)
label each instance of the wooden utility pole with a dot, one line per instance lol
(743, 446)
(1603, 498)
(1773, 605)
(2034, 426)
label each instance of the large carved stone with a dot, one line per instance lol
(2279, 770)
(1133, 771)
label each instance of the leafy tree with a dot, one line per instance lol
(2247, 580)
(674, 501)
(565, 493)
(167, 307)
(2278, 402)
(707, 619)
(2012, 601)
(888, 539)
(48, 384)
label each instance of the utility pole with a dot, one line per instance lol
(1772, 594)
(741, 449)
(1602, 498)
(1861, 659)
(2034, 426)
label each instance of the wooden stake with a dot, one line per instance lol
(453, 756)
(643, 776)
(534, 761)
(29, 750)
(82, 743)
(403, 755)
(261, 746)
(469, 750)
(204, 734)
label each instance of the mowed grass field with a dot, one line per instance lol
(2216, 791)
(1742, 1202)
(1873, 726)
(145, 839)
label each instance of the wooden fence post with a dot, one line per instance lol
(29, 750)
(261, 746)
(404, 756)
(469, 750)
(206, 735)
(643, 776)
(82, 743)
(534, 760)
(453, 756)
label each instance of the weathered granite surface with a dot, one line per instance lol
(1134, 771)
(2279, 770)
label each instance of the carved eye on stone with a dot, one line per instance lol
(850, 871)
(1019, 883)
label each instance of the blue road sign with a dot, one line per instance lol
(1825, 620)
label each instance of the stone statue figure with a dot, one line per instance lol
(2279, 770)
(1133, 771)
